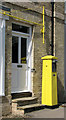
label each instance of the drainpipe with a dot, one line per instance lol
(52, 39)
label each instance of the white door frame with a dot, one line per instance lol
(2, 57)
(3, 18)
(27, 36)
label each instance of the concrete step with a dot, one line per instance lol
(21, 95)
(30, 108)
(25, 101)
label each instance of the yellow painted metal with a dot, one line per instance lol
(49, 82)
(54, 88)
(23, 58)
(5, 11)
(43, 24)
(21, 19)
(48, 57)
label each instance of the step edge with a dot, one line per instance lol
(30, 106)
(19, 100)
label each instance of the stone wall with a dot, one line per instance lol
(59, 44)
(59, 48)
(6, 100)
(8, 56)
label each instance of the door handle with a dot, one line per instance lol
(28, 67)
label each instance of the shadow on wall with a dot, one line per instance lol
(60, 89)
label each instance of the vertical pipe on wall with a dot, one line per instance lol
(43, 24)
(65, 56)
(65, 47)
(54, 30)
(52, 19)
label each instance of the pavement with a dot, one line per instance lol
(48, 113)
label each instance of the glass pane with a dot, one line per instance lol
(53, 66)
(14, 49)
(23, 50)
(20, 28)
(65, 6)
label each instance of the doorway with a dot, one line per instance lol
(21, 63)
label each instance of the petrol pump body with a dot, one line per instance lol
(49, 81)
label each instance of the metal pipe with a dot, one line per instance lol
(43, 24)
(54, 30)
(52, 41)
(21, 19)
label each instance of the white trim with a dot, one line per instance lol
(2, 53)
(21, 91)
(21, 34)
(28, 36)
(5, 17)
(19, 50)
(2, 57)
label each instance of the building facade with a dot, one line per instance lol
(22, 48)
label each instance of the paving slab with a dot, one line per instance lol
(48, 113)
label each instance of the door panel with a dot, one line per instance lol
(22, 78)
(19, 66)
(14, 77)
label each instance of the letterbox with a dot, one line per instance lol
(49, 81)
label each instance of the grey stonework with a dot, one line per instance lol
(8, 57)
(40, 49)
(59, 28)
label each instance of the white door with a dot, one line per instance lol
(20, 64)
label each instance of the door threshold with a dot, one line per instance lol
(21, 94)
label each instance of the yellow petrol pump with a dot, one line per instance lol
(49, 81)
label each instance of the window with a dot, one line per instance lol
(23, 50)
(14, 49)
(54, 66)
(65, 12)
(20, 28)
(19, 49)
